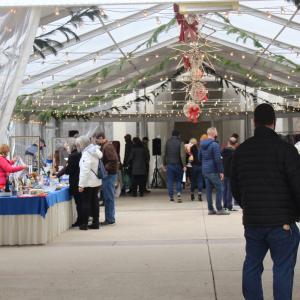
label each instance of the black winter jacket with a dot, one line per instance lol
(139, 159)
(72, 169)
(227, 154)
(266, 180)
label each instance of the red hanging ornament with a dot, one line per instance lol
(186, 62)
(194, 112)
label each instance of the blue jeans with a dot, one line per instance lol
(213, 180)
(283, 246)
(174, 173)
(196, 179)
(108, 187)
(227, 195)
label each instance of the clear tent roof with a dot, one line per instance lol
(127, 26)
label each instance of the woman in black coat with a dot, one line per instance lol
(139, 158)
(72, 169)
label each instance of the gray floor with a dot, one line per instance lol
(158, 250)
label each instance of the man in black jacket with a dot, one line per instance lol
(266, 184)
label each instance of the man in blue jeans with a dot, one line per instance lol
(212, 169)
(175, 161)
(111, 163)
(265, 182)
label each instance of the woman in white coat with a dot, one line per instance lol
(89, 183)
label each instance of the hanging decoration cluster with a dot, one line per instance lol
(195, 55)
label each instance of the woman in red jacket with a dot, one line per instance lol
(6, 165)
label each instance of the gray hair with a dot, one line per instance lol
(211, 130)
(82, 142)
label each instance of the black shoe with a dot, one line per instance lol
(199, 197)
(94, 226)
(141, 195)
(232, 209)
(76, 224)
(134, 195)
(147, 191)
(83, 227)
(107, 223)
(101, 203)
(172, 199)
(192, 197)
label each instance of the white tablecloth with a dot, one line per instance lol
(34, 229)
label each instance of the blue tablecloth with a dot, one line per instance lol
(32, 205)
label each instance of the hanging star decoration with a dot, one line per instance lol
(196, 53)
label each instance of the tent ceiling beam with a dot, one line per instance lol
(265, 16)
(138, 54)
(58, 3)
(88, 57)
(260, 37)
(111, 26)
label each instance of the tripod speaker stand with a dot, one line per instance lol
(156, 177)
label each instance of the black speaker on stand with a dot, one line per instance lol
(156, 151)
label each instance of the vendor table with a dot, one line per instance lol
(34, 220)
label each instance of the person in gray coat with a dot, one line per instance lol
(175, 161)
(138, 159)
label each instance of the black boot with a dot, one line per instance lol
(192, 197)
(199, 197)
(83, 227)
(76, 224)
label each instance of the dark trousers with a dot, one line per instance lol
(196, 179)
(138, 181)
(90, 205)
(283, 245)
(77, 198)
(174, 173)
(227, 195)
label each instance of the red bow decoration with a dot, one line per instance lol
(193, 113)
(186, 30)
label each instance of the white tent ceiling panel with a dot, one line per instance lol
(290, 36)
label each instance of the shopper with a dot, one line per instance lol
(212, 169)
(126, 166)
(145, 142)
(89, 183)
(6, 166)
(265, 183)
(35, 155)
(196, 170)
(175, 161)
(139, 159)
(72, 169)
(111, 163)
(227, 154)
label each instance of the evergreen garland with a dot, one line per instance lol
(45, 42)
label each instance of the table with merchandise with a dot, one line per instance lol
(34, 210)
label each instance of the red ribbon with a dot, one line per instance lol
(194, 111)
(186, 30)
(186, 62)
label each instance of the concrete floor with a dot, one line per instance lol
(157, 251)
